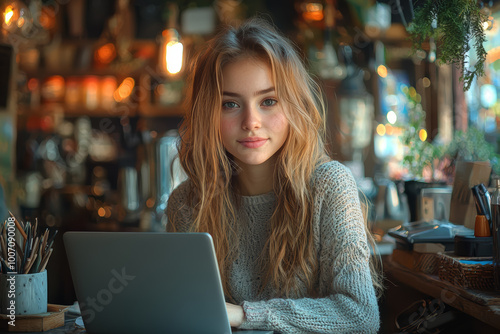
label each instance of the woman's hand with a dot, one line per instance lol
(235, 314)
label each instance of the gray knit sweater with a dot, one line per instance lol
(347, 303)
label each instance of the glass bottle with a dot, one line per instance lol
(495, 212)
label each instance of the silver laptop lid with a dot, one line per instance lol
(143, 282)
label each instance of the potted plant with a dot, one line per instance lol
(453, 24)
(434, 164)
(421, 157)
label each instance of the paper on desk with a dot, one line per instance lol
(79, 322)
(483, 263)
(75, 309)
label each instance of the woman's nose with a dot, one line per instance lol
(251, 118)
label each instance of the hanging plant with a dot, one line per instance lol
(456, 23)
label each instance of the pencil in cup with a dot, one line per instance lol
(34, 253)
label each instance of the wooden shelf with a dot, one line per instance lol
(161, 111)
(118, 71)
(133, 68)
(482, 305)
(145, 111)
(49, 110)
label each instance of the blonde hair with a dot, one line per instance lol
(289, 253)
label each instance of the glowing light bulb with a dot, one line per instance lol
(8, 15)
(422, 134)
(173, 53)
(488, 25)
(382, 71)
(124, 90)
(101, 212)
(106, 53)
(313, 11)
(381, 129)
(426, 82)
(16, 17)
(392, 117)
(488, 95)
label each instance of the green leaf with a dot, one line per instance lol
(458, 22)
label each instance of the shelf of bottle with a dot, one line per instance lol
(63, 62)
(123, 110)
(117, 72)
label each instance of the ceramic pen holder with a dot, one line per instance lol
(23, 294)
(481, 227)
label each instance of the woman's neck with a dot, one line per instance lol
(256, 180)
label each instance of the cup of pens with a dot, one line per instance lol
(23, 294)
(23, 279)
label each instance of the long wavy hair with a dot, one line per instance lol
(289, 254)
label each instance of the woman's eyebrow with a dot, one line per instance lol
(260, 92)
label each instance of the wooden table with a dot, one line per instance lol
(482, 305)
(68, 328)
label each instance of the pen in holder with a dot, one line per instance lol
(481, 227)
(482, 201)
(24, 254)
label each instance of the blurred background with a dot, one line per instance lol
(91, 95)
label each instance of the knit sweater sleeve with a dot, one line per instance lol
(178, 212)
(348, 303)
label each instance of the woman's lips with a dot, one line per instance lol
(253, 142)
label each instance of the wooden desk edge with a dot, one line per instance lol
(448, 293)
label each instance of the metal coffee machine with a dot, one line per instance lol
(166, 173)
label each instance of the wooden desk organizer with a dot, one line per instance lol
(53, 318)
(468, 276)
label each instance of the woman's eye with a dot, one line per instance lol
(229, 105)
(269, 102)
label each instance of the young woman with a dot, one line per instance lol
(287, 224)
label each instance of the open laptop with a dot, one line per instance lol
(145, 282)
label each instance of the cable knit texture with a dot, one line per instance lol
(347, 302)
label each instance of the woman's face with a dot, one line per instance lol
(253, 124)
